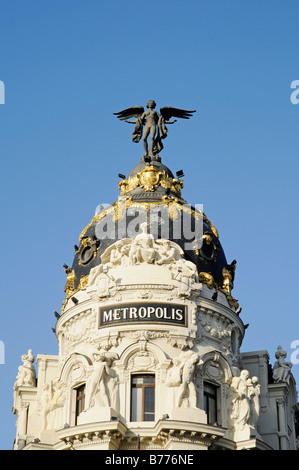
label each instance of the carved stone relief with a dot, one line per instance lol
(212, 370)
(76, 329)
(142, 360)
(143, 249)
(212, 325)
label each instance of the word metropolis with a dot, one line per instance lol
(145, 312)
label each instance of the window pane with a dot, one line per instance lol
(205, 404)
(210, 402)
(212, 418)
(143, 379)
(149, 399)
(148, 379)
(143, 398)
(137, 379)
(136, 404)
(80, 400)
(149, 417)
(210, 389)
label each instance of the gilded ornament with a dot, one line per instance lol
(207, 279)
(173, 211)
(71, 290)
(83, 282)
(87, 250)
(228, 275)
(208, 250)
(149, 179)
(70, 280)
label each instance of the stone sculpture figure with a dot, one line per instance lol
(151, 123)
(239, 400)
(244, 407)
(188, 363)
(116, 253)
(167, 253)
(53, 401)
(44, 400)
(173, 381)
(254, 391)
(97, 391)
(96, 382)
(180, 380)
(26, 372)
(142, 248)
(281, 368)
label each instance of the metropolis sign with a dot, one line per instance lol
(173, 314)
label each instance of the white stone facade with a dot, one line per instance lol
(145, 314)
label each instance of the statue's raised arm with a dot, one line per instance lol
(151, 123)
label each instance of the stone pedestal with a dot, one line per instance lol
(48, 436)
(245, 434)
(194, 415)
(97, 414)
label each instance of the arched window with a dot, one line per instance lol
(143, 397)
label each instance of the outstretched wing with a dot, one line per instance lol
(128, 113)
(167, 112)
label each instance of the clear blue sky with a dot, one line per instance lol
(67, 66)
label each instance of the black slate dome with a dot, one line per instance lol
(151, 193)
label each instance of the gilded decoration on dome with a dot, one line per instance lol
(119, 207)
(149, 179)
(70, 279)
(228, 274)
(87, 250)
(69, 288)
(208, 280)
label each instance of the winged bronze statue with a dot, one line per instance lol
(151, 123)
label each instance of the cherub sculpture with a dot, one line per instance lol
(151, 123)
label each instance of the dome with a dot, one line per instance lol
(152, 194)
